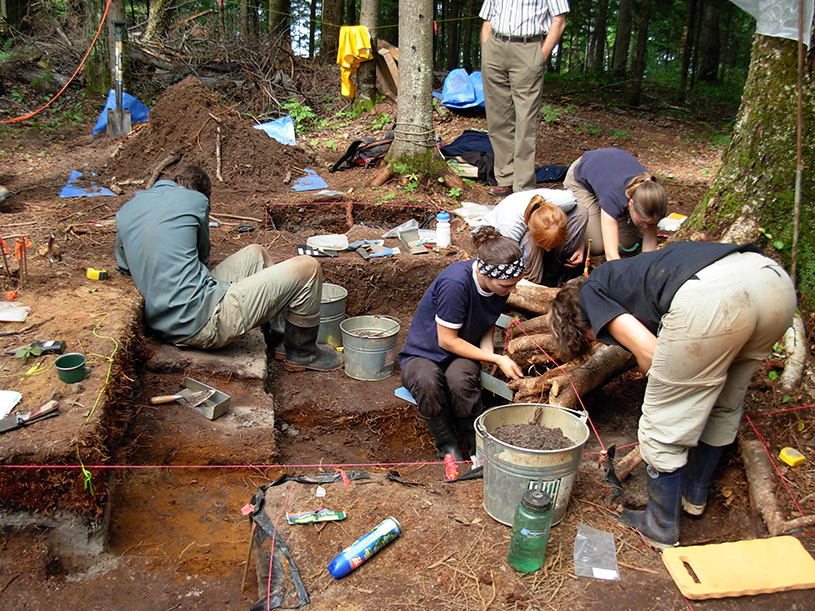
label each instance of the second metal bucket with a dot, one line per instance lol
(369, 346)
(332, 313)
(509, 471)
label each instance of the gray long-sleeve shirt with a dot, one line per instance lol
(162, 240)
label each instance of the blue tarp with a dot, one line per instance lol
(310, 182)
(72, 189)
(138, 111)
(462, 90)
(281, 129)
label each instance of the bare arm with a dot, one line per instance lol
(486, 31)
(611, 236)
(450, 341)
(649, 239)
(635, 338)
(577, 257)
(553, 35)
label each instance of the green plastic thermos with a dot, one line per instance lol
(530, 531)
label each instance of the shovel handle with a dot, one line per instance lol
(164, 399)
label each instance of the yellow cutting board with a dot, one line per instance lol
(741, 568)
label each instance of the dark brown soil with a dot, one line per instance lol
(533, 436)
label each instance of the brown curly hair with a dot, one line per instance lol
(193, 177)
(493, 248)
(567, 323)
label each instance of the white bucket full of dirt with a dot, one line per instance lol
(509, 470)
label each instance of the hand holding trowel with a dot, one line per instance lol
(185, 397)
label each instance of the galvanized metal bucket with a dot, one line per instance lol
(332, 313)
(369, 346)
(509, 471)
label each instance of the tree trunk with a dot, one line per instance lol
(330, 28)
(279, 29)
(452, 42)
(753, 193)
(709, 43)
(469, 60)
(244, 19)
(312, 31)
(159, 18)
(597, 47)
(622, 41)
(413, 142)
(687, 47)
(639, 59)
(605, 363)
(366, 75)
(97, 67)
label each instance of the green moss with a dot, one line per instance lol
(427, 162)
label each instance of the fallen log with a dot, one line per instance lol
(795, 345)
(531, 343)
(167, 161)
(539, 324)
(605, 363)
(528, 388)
(532, 297)
(628, 463)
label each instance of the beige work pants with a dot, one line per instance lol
(717, 331)
(513, 84)
(258, 293)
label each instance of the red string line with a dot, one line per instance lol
(775, 465)
(781, 411)
(346, 203)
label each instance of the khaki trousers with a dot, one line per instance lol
(512, 73)
(628, 233)
(718, 330)
(258, 293)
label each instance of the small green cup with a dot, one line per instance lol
(71, 368)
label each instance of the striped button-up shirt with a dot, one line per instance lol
(522, 17)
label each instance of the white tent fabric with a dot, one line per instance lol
(778, 17)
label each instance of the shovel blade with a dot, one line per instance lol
(118, 123)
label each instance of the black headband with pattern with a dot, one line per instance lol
(501, 271)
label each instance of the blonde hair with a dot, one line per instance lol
(649, 197)
(546, 223)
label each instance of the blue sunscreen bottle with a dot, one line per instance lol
(364, 547)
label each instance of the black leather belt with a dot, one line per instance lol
(505, 38)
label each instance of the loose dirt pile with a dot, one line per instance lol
(188, 121)
(533, 437)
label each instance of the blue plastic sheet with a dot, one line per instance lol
(281, 129)
(72, 188)
(138, 111)
(310, 182)
(462, 90)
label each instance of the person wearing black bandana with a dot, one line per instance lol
(452, 334)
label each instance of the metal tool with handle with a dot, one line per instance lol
(17, 420)
(191, 399)
(118, 118)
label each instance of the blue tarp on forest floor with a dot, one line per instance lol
(462, 90)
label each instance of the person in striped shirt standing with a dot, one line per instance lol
(517, 38)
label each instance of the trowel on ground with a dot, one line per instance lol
(185, 397)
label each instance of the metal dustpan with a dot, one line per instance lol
(214, 406)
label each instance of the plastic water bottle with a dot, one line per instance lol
(530, 532)
(364, 547)
(443, 229)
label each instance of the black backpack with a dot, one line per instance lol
(364, 153)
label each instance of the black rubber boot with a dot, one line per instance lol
(702, 462)
(444, 436)
(659, 522)
(273, 331)
(302, 351)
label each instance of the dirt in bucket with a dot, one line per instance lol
(533, 436)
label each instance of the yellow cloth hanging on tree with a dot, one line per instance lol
(355, 48)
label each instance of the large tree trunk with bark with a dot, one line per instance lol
(160, 14)
(366, 75)
(97, 68)
(709, 42)
(642, 48)
(330, 28)
(413, 142)
(619, 61)
(753, 194)
(687, 46)
(597, 46)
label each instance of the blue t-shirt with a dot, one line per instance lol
(454, 300)
(606, 172)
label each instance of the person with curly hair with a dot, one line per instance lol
(452, 333)
(624, 200)
(699, 317)
(549, 225)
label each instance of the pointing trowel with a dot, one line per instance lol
(185, 397)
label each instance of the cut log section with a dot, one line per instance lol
(532, 297)
(604, 364)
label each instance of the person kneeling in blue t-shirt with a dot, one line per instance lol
(452, 333)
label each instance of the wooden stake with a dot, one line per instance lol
(588, 259)
(249, 555)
